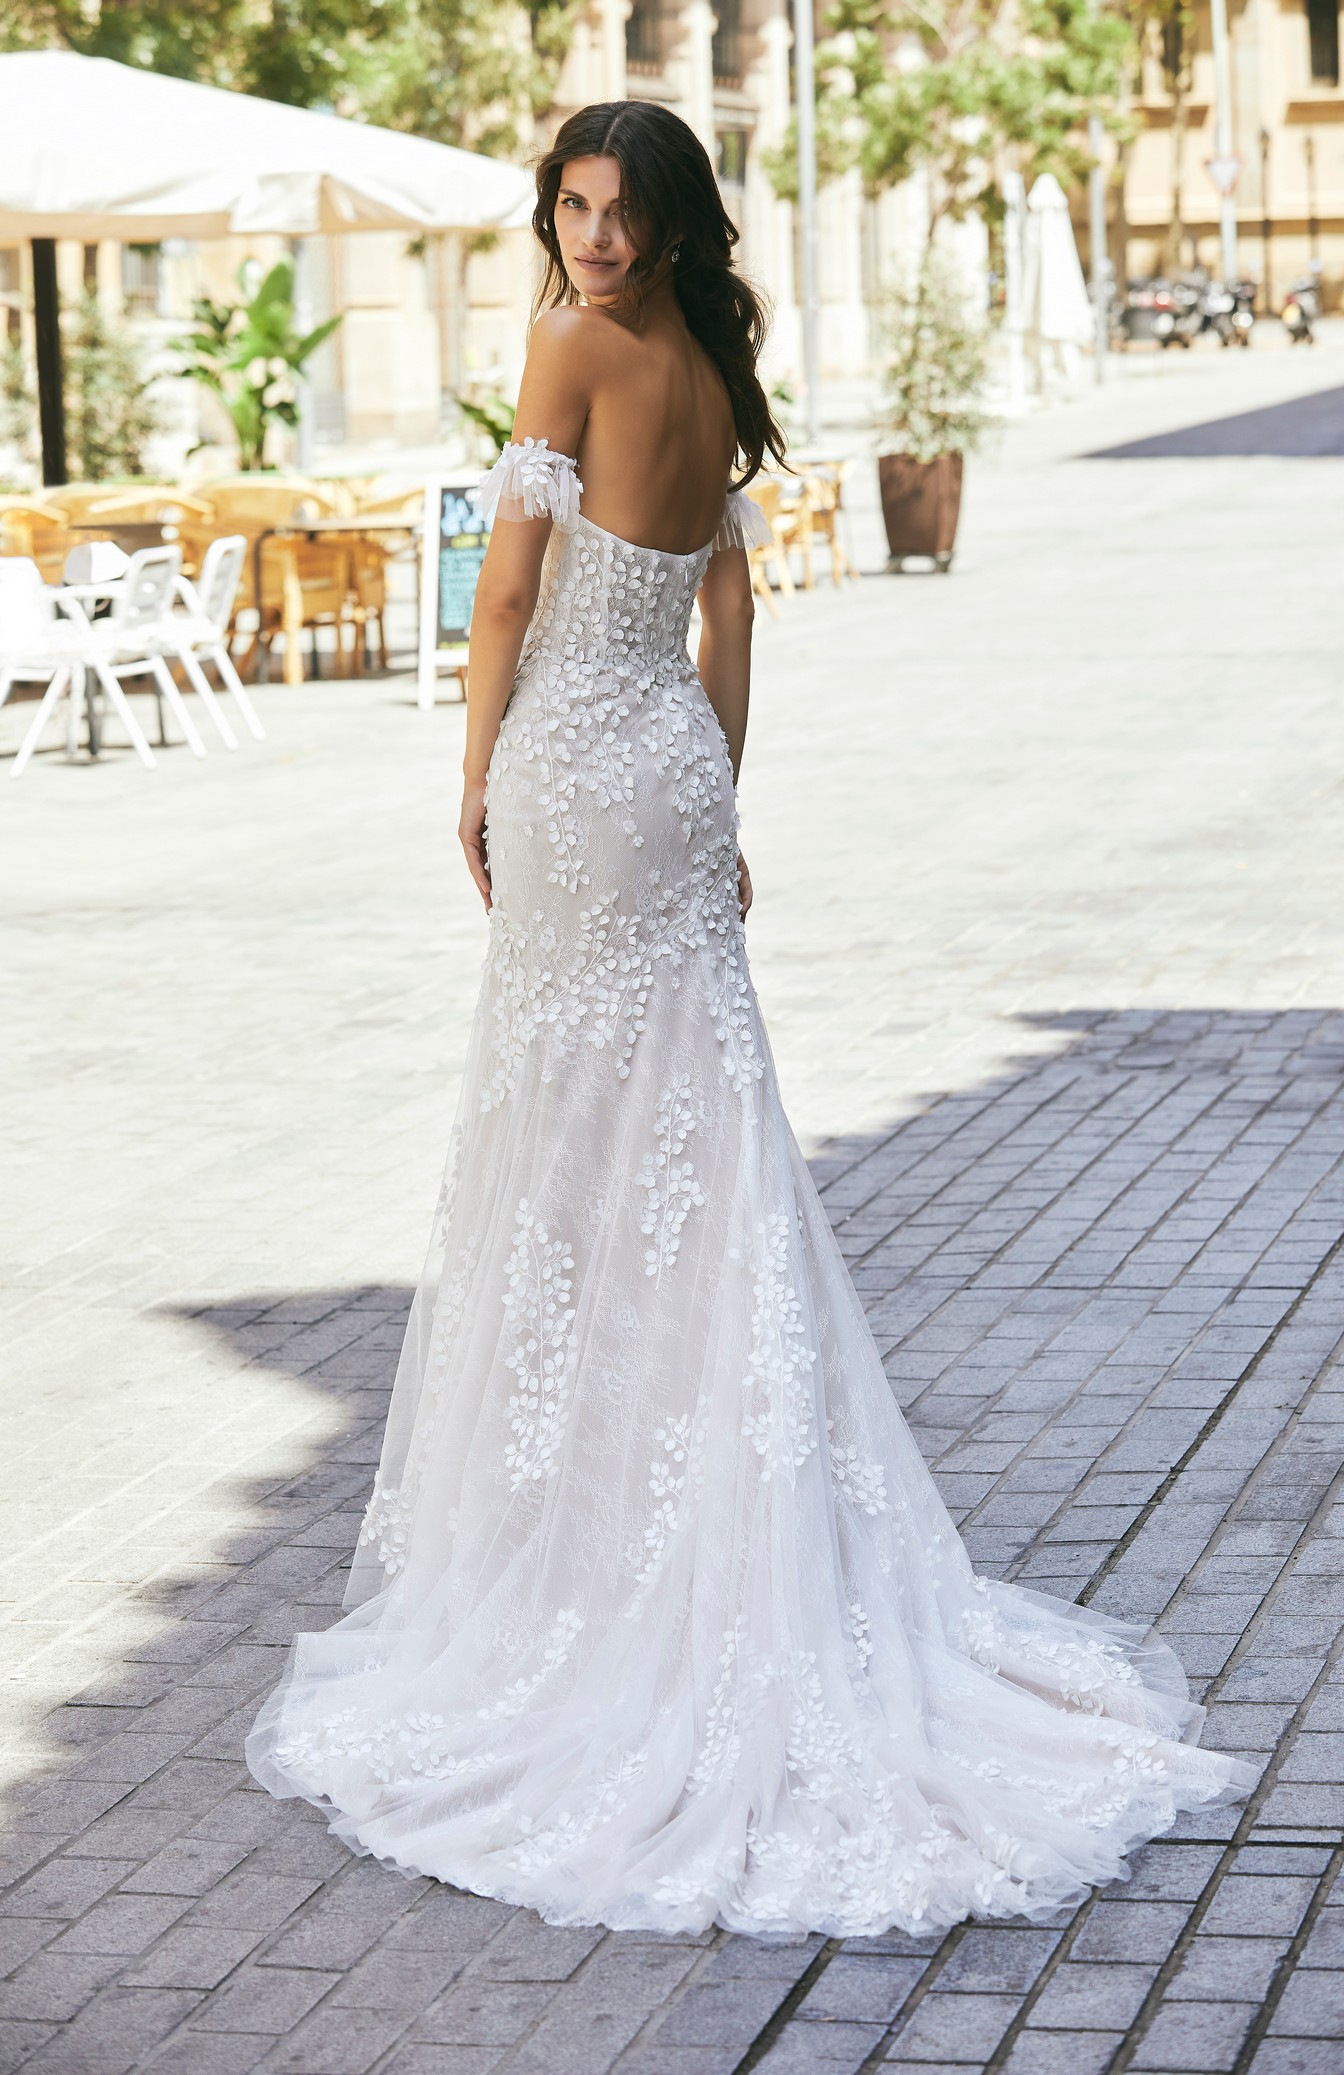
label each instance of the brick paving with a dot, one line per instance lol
(1051, 951)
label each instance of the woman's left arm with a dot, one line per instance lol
(552, 404)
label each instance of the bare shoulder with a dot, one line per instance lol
(573, 336)
(559, 379)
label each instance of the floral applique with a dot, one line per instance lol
(780, 1421)
(668, 1180)
(538, 1310)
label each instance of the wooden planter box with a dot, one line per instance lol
(921, 501)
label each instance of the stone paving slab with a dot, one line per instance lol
(1052, 959)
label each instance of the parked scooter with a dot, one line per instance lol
(1178, 317)
(1301, 310)
(1229, 310)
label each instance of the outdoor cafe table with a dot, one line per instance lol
(88, 597)
(130, 538)
(291, 606)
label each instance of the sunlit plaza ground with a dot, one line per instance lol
(1051, 948)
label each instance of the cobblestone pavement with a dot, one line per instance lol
(1050, 943)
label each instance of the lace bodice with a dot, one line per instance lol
(605, 602)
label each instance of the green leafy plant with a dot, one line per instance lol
(937, 359)
(493, 415)
(993, 83)
(18, 403)
(250, 354)
(110, 412)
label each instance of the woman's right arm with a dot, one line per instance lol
(727, 610)
(724, 658)
(552, 404)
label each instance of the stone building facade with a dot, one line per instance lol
(1288, 132)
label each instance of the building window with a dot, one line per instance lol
(140, 278)
(644, 37)
(1323, 28)
(728, 43)
(731, 157)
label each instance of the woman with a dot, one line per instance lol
(657, 1619)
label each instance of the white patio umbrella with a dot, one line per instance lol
(91, 149)
(1058, 313)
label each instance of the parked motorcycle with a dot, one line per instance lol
(1229, 310)
(1301, 310)
(1178, 316)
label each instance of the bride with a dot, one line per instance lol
(656, 1618)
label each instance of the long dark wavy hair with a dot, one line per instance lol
(671, 203)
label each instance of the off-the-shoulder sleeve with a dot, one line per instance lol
(531, 482)
(744, 524)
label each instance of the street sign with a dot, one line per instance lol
(1223, 173)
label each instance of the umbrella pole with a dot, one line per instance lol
(50, 372)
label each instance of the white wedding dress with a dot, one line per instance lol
(657, 1619)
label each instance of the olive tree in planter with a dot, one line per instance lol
(932, 416)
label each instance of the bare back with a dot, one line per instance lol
(650, 417)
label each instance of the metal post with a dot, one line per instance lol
(303, 323)
(1222, 138)
(1014, 290)
(50, 366)
(1313, 228)
(805, 92)
(1265, 234)
(1096, 203)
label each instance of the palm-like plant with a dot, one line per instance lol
(251, 354)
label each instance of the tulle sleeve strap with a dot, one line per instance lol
(744, 524)
(531, 482)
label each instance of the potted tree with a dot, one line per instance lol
(937, 356)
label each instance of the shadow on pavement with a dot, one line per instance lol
(1308, 427)
(1106, 1284)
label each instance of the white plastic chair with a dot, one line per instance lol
(201, 633)
(130, 642)
(127, 644)
(44, 634)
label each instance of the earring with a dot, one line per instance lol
(676, 255)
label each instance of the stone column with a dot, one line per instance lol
(770, 255)
(698, 23)
(613, 16)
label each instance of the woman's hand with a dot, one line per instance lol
(471, 832)
(743, 885)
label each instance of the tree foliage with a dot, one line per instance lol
(468, 72)
(471, 72)
(18, 402)
(110, 412)
(949, 86)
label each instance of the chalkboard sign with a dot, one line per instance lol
(453, 550)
